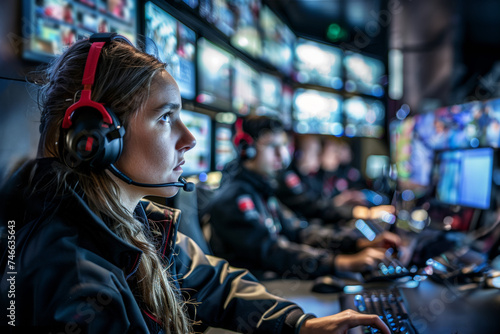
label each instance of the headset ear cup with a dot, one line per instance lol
(250, 152)
(90, 142)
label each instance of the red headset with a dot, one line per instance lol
(243, 142)
(92, 136)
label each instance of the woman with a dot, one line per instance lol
(90, 255)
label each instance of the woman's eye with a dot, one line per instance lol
(166, 117)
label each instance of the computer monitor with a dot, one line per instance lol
(224, 148)
(401, 134)
(54, 24)
(214, 76)
(464, 177)
(270, 88)
(424, 141)
(191, 3)
(467, 126)
(491, 120)
(363, 74)
(198, 158)
(246, 35)
(364, 117)
(174, 44)
(277, 41)
(218, 14)
(459, 126)
(317, 112)
(286, 106)
(246, 82)
(318, 64)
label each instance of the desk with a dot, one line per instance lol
(433, 308)
(300, 292)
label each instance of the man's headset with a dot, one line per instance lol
(92, 136)
(243, 142)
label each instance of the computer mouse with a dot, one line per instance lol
(328, 284)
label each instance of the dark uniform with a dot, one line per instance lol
(307, 197)
(68, 272)
(252, 229)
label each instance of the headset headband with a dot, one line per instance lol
(98, 42)
(241, 134)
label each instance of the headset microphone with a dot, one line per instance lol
(187, 186)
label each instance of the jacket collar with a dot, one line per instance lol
(31, 207)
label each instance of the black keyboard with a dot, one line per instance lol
(389, 269)
(388, 304)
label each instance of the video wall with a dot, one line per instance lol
(415, 139)
(55, 24)
(228, 56)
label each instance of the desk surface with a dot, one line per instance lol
(300, 292)
(433, 308)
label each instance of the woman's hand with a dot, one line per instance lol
(339, 323)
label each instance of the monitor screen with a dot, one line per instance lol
(219, 14)
(467, 128)
(363, 74)
(286, 105)
(401, 135)
(175, 44)
(422, 148)
(246, 36)
(56, 24)
(364, 117)
(490, 121)
(191, 3)
(458, 126)
(318, 64)
(270, 87)
(245, 88)
(214, 76)
(198, 158)
(317, 112)
(464, 177)
(224, 148)
(277, 41)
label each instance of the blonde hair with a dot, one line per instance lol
(123, 80)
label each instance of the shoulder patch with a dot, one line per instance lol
(292, 180)
(245, 203)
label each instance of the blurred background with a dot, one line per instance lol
(397, 80)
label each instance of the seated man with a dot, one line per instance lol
(314, 191)
(252, 229)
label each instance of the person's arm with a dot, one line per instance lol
(341, 322)
(231, 298)
(244, 233)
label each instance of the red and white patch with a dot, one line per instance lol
(245, 203)
(292, 180)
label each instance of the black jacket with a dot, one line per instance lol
(68, 271)
(252, 229)
(305, 196)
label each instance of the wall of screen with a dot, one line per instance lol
(228, 56)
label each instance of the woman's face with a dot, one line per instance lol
(156, 139)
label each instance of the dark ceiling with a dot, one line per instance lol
(311, 18)
(476, 30)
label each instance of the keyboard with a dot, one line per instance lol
(388, 269)
(388, 304)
